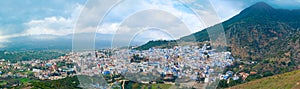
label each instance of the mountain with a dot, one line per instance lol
(260, 33)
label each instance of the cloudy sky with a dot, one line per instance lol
(137, 21)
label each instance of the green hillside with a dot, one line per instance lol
(289, 80)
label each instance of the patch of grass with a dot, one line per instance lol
(24, 80)
(162, 86)
(3, 83)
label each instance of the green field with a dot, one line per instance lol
(24, 80)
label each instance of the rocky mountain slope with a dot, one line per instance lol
(261, 33)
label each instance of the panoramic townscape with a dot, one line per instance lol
(150, 44)
(185, 65)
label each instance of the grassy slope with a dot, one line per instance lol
(289, 80)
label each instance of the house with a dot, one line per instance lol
(253, 72)
(244, 75)
(229, 73)
(235, 77)
(106, 72)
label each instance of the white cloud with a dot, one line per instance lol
(153, 34)
(50, 26)
(110, 28)
(54, 25)
(3, 38)
(126, 9)
(60, 26)
(45, 28)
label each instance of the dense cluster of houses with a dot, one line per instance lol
(181, 63)
(39, 69)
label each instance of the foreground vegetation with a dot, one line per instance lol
(73, 83)
(289, 80)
